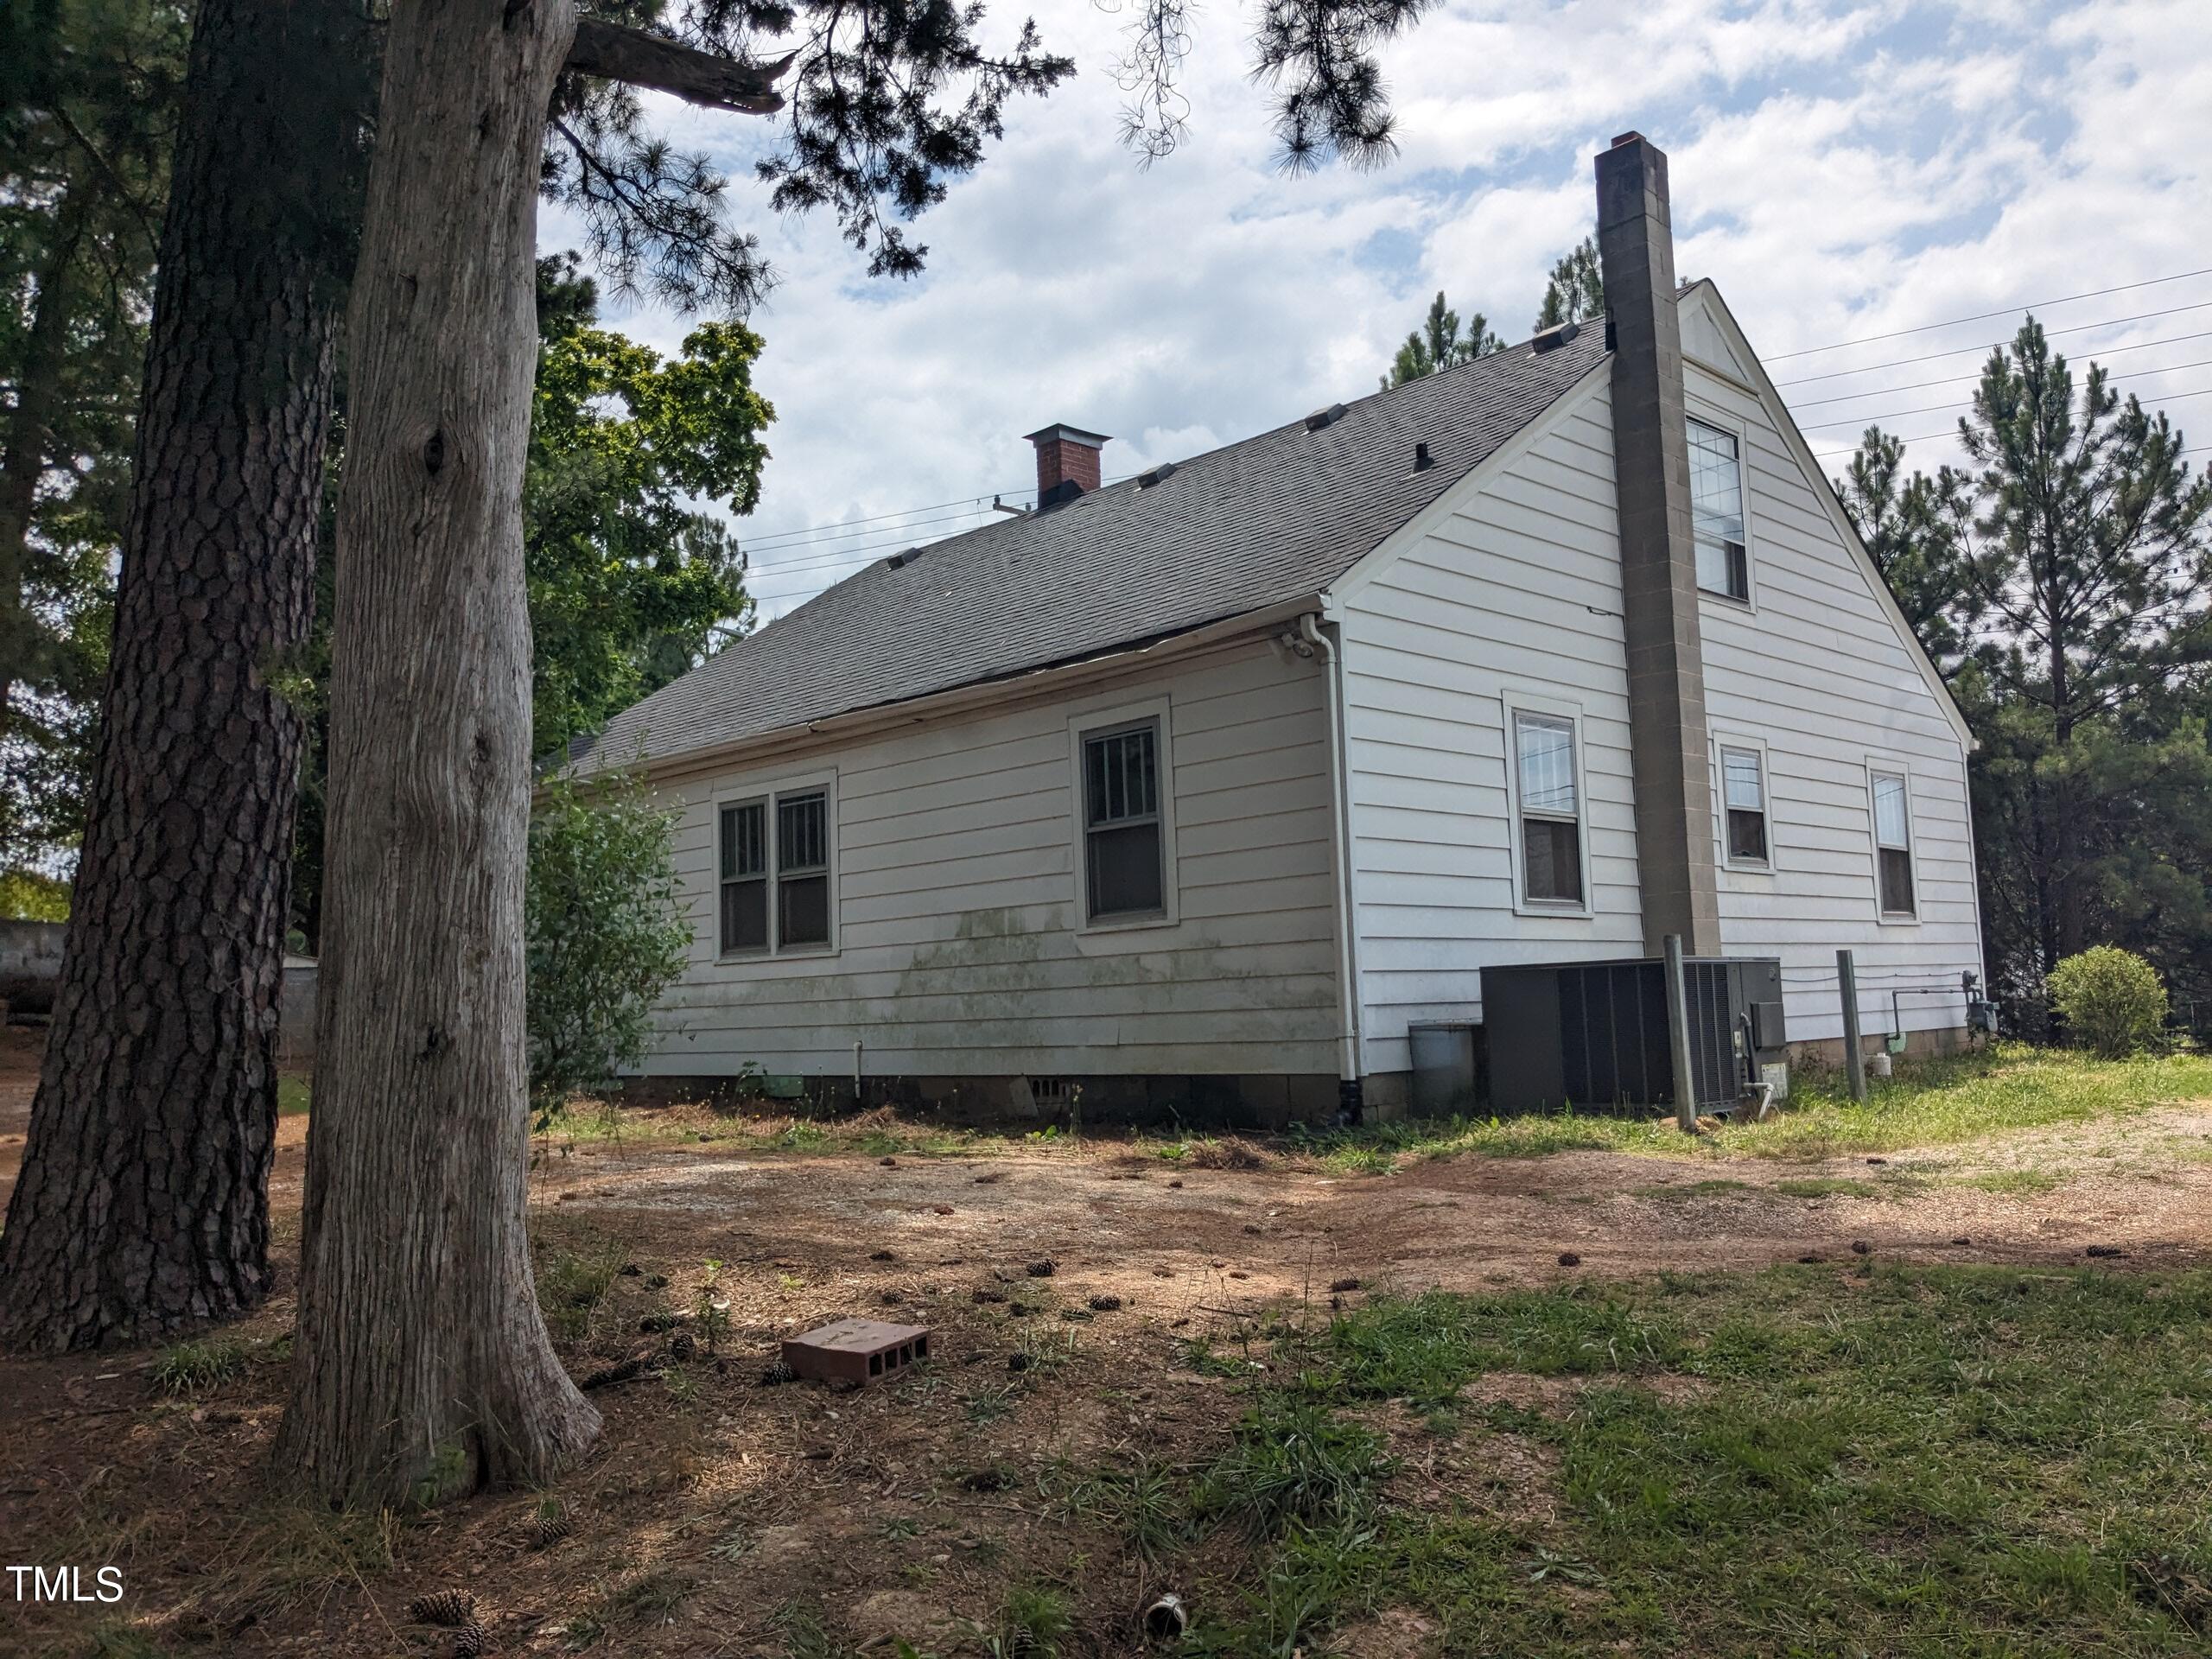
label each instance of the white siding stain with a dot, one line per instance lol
(956, 897)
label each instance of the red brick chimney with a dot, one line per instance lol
(1067, 463)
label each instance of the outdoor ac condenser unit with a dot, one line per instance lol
(1595, 1034)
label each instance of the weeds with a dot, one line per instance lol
(711, 1309)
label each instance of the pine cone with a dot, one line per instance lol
(468, 1641)
(549, 1527)
(448, 1607)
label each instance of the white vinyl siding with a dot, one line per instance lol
(1509, 601)
(1826, 679)
(961, 946)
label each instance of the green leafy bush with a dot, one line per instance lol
(605, 936)
(2111, 1000)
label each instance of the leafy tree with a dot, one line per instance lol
(606, 935)
(1576, 291)
(1437, 344)
(2075, 548)
(630, 584)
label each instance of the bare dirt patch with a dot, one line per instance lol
(720, 1515)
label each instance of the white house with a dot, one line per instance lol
(1203, 788)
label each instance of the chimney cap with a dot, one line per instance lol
(1629, 137)
(1065, 434)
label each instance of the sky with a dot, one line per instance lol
(1843, 172)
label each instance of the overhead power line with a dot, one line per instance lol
(1983, 316)
(1963, 403)
(1976, 374)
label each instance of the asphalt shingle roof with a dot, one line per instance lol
(1270, 519)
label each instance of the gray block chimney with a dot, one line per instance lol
(1659, 601)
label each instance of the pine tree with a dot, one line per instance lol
(1576, 290)
(2075, 548)
(143, 1202)
(1438, 344)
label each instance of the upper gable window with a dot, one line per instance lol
(1716, 512)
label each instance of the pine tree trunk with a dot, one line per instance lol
(142, 1204)
(421, 1366)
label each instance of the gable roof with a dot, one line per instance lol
(1271, 520)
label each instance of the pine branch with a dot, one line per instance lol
(611, 52)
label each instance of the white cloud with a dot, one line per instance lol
(1842, 169)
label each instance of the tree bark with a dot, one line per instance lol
(421, 1365)
(142, 1204)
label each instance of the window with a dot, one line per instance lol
(1551, 808)
(744, 877)
(1124, 871)
(1742, 800)
(802, 870)
(1893, 844)
(1717, 513)
(792, 885)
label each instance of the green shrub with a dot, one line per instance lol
(2111, 1000)
(605, 936)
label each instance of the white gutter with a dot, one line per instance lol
(1348, 1055)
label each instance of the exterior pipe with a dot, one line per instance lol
(1340, 824)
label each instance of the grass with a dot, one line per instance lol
(1931, 1102)
(1953, 1461)
(196, 1367)
(2017, 1183)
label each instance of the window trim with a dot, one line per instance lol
(1719, 421)
(1514, 704)
(768, 793)
(1884, 766)
(1097, 723)
(1756, 748)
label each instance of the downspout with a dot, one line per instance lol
(1348, 1079)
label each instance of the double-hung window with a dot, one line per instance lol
(1124, 858)
(1893, 844)
(1549, 786)
(1716, 512)
(1742, 801)
(775, 873)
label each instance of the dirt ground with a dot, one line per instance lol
(713, 1505)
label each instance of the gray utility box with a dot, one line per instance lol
(1595, 1034)
(1443, 1069)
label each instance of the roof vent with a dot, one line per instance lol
(1552, 338)
(1422, 460)
(1321, 417)
(898, 561)
(1159, 474)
